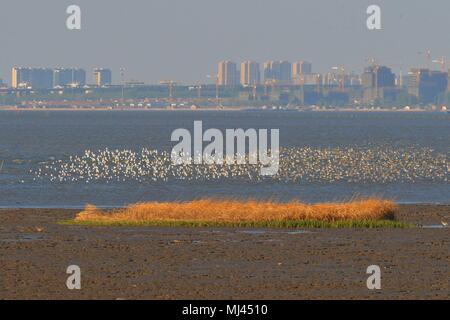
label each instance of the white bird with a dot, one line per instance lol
(372, 164)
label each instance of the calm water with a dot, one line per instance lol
(33, 140)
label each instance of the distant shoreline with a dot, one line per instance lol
(232, 108)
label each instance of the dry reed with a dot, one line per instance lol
(234, 211)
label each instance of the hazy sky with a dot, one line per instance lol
(183, 40)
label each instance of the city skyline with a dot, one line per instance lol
(228, 73)
(288, 82)
(188, 48)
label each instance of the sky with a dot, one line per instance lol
(182, 40)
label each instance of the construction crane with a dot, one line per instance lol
(428, 58)
(122, 79)
(372, 61)
(170, 84)
(216, 77)
(441, 62)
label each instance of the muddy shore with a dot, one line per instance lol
(215, 263)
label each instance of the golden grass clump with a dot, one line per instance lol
(235, 211)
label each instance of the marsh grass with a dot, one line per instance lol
(366, 224)
(364, 213)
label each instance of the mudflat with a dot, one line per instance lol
(222, 263)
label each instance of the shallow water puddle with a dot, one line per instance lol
(253, 232)
(24, 238)
(434, 226)
(298, 232)
(257, 232)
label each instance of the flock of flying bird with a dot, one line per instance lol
(372, 164)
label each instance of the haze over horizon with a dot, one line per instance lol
(183, 40)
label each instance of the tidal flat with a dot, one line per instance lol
(222, 263)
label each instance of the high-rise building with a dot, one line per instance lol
(227, 74)
(271, 70)
(285, 71)
(427, 85)
(64, 77)
(300, 68)
(36, 78)
(20, 77)
(102, 77)
(376, 80)
(42, 78)
(250, 74)
(278, 71)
